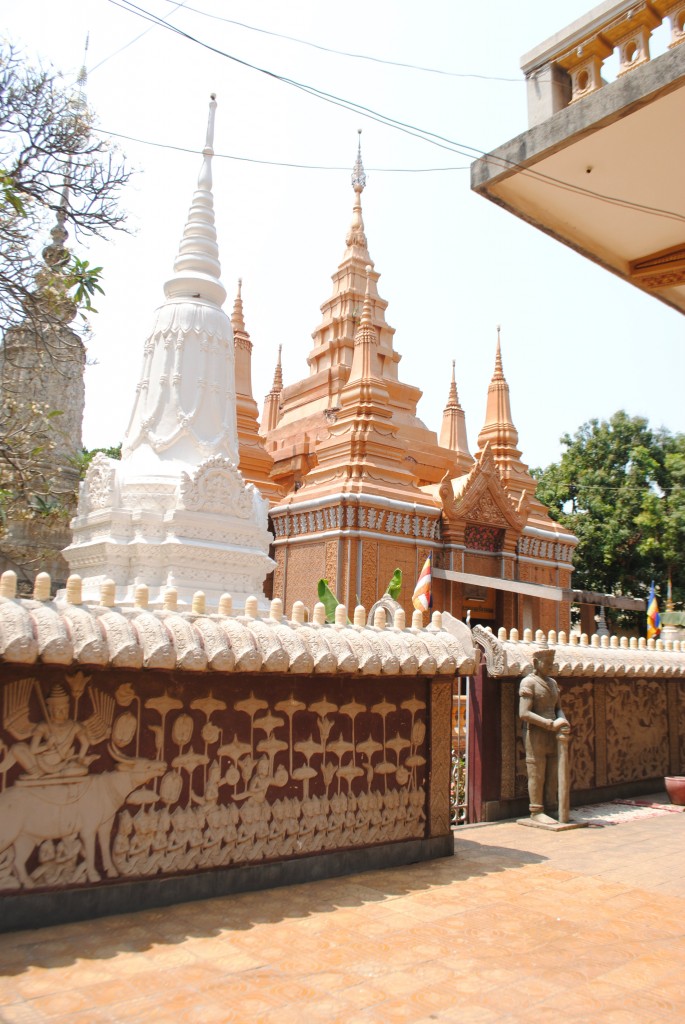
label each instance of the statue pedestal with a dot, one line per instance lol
(551, 825)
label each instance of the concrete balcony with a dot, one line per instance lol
(600, 166)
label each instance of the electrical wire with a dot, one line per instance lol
(345, 53)
(135, 40)
(279, 163)
(433, 138)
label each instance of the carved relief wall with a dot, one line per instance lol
(637, 730)
(107, 774)
(369, 572)
(680, 726)
(306, 564)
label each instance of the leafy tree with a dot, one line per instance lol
(52, 165)
(620, 488)
(58, 178)
(27, 441)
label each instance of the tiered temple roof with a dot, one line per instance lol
(308, 409)
(350, 430)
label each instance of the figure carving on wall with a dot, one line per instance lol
(546, 734)
(57, 746)
(228, 784)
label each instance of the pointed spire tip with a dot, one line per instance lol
(358, 173)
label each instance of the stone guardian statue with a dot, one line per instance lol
(546, 736)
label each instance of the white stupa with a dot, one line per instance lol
(176, 512)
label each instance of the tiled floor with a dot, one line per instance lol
(520, 926)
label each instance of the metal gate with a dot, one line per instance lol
(460, 745)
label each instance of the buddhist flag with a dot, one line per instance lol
(653, 617)
(421, 598)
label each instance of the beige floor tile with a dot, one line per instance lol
(487, 937)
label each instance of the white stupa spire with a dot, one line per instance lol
(197, 269)
(185, 404)
(176, 507)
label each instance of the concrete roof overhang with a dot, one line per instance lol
(606, 176)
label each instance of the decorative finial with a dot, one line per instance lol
(358, 173)
(367, 310)
(453, 397)
(237, 317)
(108, 593)
(8, 584)
(209, 141)
(56, 255)
(41, 587)
(277, 385)
(499, 371)
(356, 236)
(366, 331)
(79, 103)
(196, 268)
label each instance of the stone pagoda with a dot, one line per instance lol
(42, 361)
(176, 511)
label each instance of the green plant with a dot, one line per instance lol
(331, 602)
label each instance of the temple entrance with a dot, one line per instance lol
(481, 603)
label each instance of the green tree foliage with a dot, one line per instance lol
(59, 179)
(620, 488)
(88, 454)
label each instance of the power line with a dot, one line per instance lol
(345, 53)
(135, 40)
(280, 163)
(426, 136)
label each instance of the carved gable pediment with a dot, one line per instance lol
(216, 487)
(482, 497)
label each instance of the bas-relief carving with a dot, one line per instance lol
(104, 780)
(306, 564)
(332, 564)
(98, 486)
(441, 753)
(679, 723)
(360, 517)
(369, 573)
(511, 729)
(578, 704)
(216, 487)
(637, 734)
(486, 511)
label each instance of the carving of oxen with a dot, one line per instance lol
(31, 812)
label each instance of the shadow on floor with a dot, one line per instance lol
(105, 937)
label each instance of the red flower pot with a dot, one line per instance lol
(675, 787)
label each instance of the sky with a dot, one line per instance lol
(577, 342)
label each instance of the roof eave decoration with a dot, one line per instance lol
(508, 657)
(483, 498)
(71, 633)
